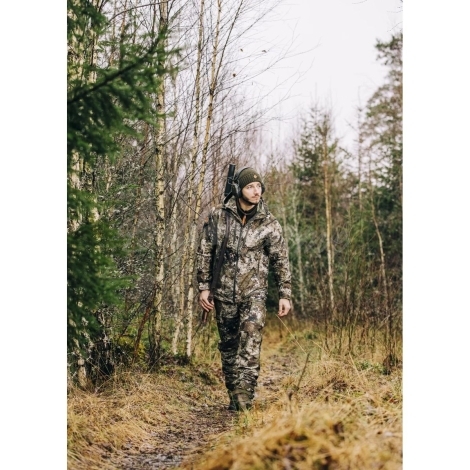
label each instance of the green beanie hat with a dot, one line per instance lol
(247, 176)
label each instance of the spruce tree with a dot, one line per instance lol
(104, 102)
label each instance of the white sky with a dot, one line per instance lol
(332, 55)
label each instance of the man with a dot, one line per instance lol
(232, 273)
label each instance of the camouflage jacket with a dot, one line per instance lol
(249, 251)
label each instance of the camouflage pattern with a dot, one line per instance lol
(250, 249)
(240, 327)
(241, 292)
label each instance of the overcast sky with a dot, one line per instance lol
(332, 55)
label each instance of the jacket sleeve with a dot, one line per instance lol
(205, 253)
(278, 252)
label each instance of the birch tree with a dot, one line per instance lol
(155, 323)
(192, 174)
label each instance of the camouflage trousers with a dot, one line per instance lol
(240, 329)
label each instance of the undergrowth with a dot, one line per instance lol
(325, 410)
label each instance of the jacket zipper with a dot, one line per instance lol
(236, 265)
(238, 250)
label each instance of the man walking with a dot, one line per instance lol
(239, 241)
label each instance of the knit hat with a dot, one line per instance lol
(247, 176)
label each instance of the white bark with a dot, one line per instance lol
(156, 318)
(329, 238)
(192, 176)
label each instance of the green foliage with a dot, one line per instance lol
(120, 95)
(105, 102)
(316, 158)
(315, 140)
(92, 279)
(383, 129)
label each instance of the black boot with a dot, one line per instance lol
(232, 406)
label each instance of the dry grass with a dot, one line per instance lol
(315, 436)
(344, 414)
(337, 420)
(135, 412)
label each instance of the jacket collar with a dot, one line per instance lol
(231, 206)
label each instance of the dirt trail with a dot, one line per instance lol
(177, 442)
(181, 443)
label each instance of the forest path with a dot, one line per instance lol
(205, 425)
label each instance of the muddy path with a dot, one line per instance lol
(178, 443)
(205, 425)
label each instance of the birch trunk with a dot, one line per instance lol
(192, 242)
(329, 240)
(192, 177)
(172, 273)
(155, 321)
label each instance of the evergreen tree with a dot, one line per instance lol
(383, 130)
(103, 103)
(311, 208)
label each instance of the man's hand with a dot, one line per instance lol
(204, 301)
(284, 307)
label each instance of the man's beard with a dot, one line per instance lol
(247, 201)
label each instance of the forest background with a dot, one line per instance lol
(156, 112)
(341, 196)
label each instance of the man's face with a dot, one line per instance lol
(251, 193)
